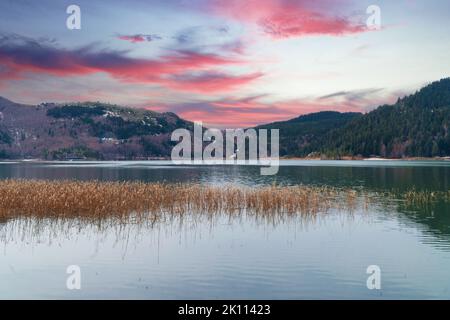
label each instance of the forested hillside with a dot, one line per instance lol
(297, 135)
(416, 126)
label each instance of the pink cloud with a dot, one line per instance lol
(252, 111)
(180, 69)
(211, 82)
(289, 18)
(136, 38)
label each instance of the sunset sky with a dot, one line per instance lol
(229, 63)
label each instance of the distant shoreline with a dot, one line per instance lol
(281, 159)
(370, 159)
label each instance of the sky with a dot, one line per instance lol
(228, 63)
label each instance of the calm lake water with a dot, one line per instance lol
(298, 258)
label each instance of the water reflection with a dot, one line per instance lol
(224, 257)
(432, 175)
(239, 256)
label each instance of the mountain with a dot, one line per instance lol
(415, 126)
(297, 135)
(90, 130)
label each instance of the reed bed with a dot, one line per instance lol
(425, 197)
(95, 199)
(122, 201)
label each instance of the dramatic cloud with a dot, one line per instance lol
(211, 82)
(197, 35)
(19, 56)
(136, 38)
(230, 113)
(363, 99)
(254, 110)
(210, 39)
(289, 18)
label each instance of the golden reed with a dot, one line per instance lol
(95, 199)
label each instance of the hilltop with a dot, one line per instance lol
(89, 130)
(415, 126)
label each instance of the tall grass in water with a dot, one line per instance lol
(120, 200)
(33, 208)
(94, 199)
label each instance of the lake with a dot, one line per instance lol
(320, 257)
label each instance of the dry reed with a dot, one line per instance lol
(96, 200)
